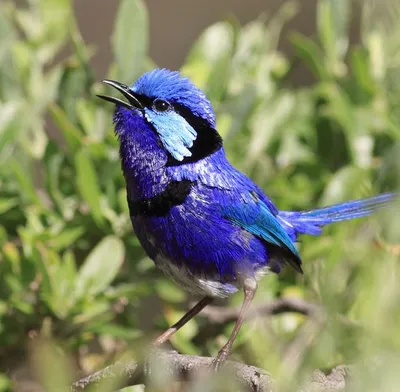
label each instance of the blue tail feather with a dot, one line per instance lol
(309, 222)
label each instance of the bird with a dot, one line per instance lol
(204, 223)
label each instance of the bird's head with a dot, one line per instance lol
(176, 110)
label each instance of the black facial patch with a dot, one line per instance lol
(144, 100)
(208, 139)
(174, 194)
(207, 142)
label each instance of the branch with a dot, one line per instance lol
(180, 367)
(185, 367)
(223, 315)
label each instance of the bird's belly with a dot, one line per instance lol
(193, 283)
(200, 250)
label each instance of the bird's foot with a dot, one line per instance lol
(219, 359)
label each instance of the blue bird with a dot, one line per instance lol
(204, 224)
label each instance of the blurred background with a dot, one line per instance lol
(307, 99)
(168, 44)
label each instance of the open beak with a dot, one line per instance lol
(133, 102)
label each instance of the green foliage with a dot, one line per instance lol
(71, 269)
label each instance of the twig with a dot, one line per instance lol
(185, 367)
(222, 315)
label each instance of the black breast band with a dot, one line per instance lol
(174, 194)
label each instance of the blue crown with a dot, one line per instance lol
(171, 86)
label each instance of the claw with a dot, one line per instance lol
(219, 360)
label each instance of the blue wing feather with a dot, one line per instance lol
(256, 218)
(310, 222)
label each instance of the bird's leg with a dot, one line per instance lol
(249, 288)
(188, 316)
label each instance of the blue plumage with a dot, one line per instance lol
(204, 223)
(171, 86)
(225, 228)
(256, 218)
(175, 133)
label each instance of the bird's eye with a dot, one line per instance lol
(161, 106)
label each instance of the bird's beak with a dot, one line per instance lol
(133, 102)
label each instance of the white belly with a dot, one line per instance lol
(201, 286)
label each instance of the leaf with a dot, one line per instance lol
(100, 267)
(169, 291)
(7, 204)
(7, 37)
(339, 106)
(210, 58)
(73, 84)
(333, 21)
(130, 39)
(53, 24)
(88, 186)
(86, 113)
(72, 134)
(24, 179)
(344, 185)
(51, 365)
(9, 129)
(69, 266)
(54, 160)
(311, 54)
(361, 70)
(35, 139)
(66, 238)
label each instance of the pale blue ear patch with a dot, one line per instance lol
(176, 134)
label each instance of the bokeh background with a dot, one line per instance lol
(307, 100)
(176, 24)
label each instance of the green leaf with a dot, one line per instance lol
(100, 267)
(51, 365)
(69, 266)
(339, 106)
(345, 184)
(210, 58)
(73, 136)
(87, 183)
(66, 238)
(7, 204)
(9, 127)
(361, 70)
(54, 160)
(333, 21)
(73, 84)
(52, 26)
(169, 291)
(130, 39)
(35, 139)
(7, 37)
(5, 383)
(311, 54)
(24, 179)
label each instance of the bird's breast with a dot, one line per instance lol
(192, 242)
(174, 194)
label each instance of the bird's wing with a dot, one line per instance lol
(255, 217)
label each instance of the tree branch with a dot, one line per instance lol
(223, 315)
(220, 316)
(178, 367)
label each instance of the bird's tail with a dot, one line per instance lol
(310, 222)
